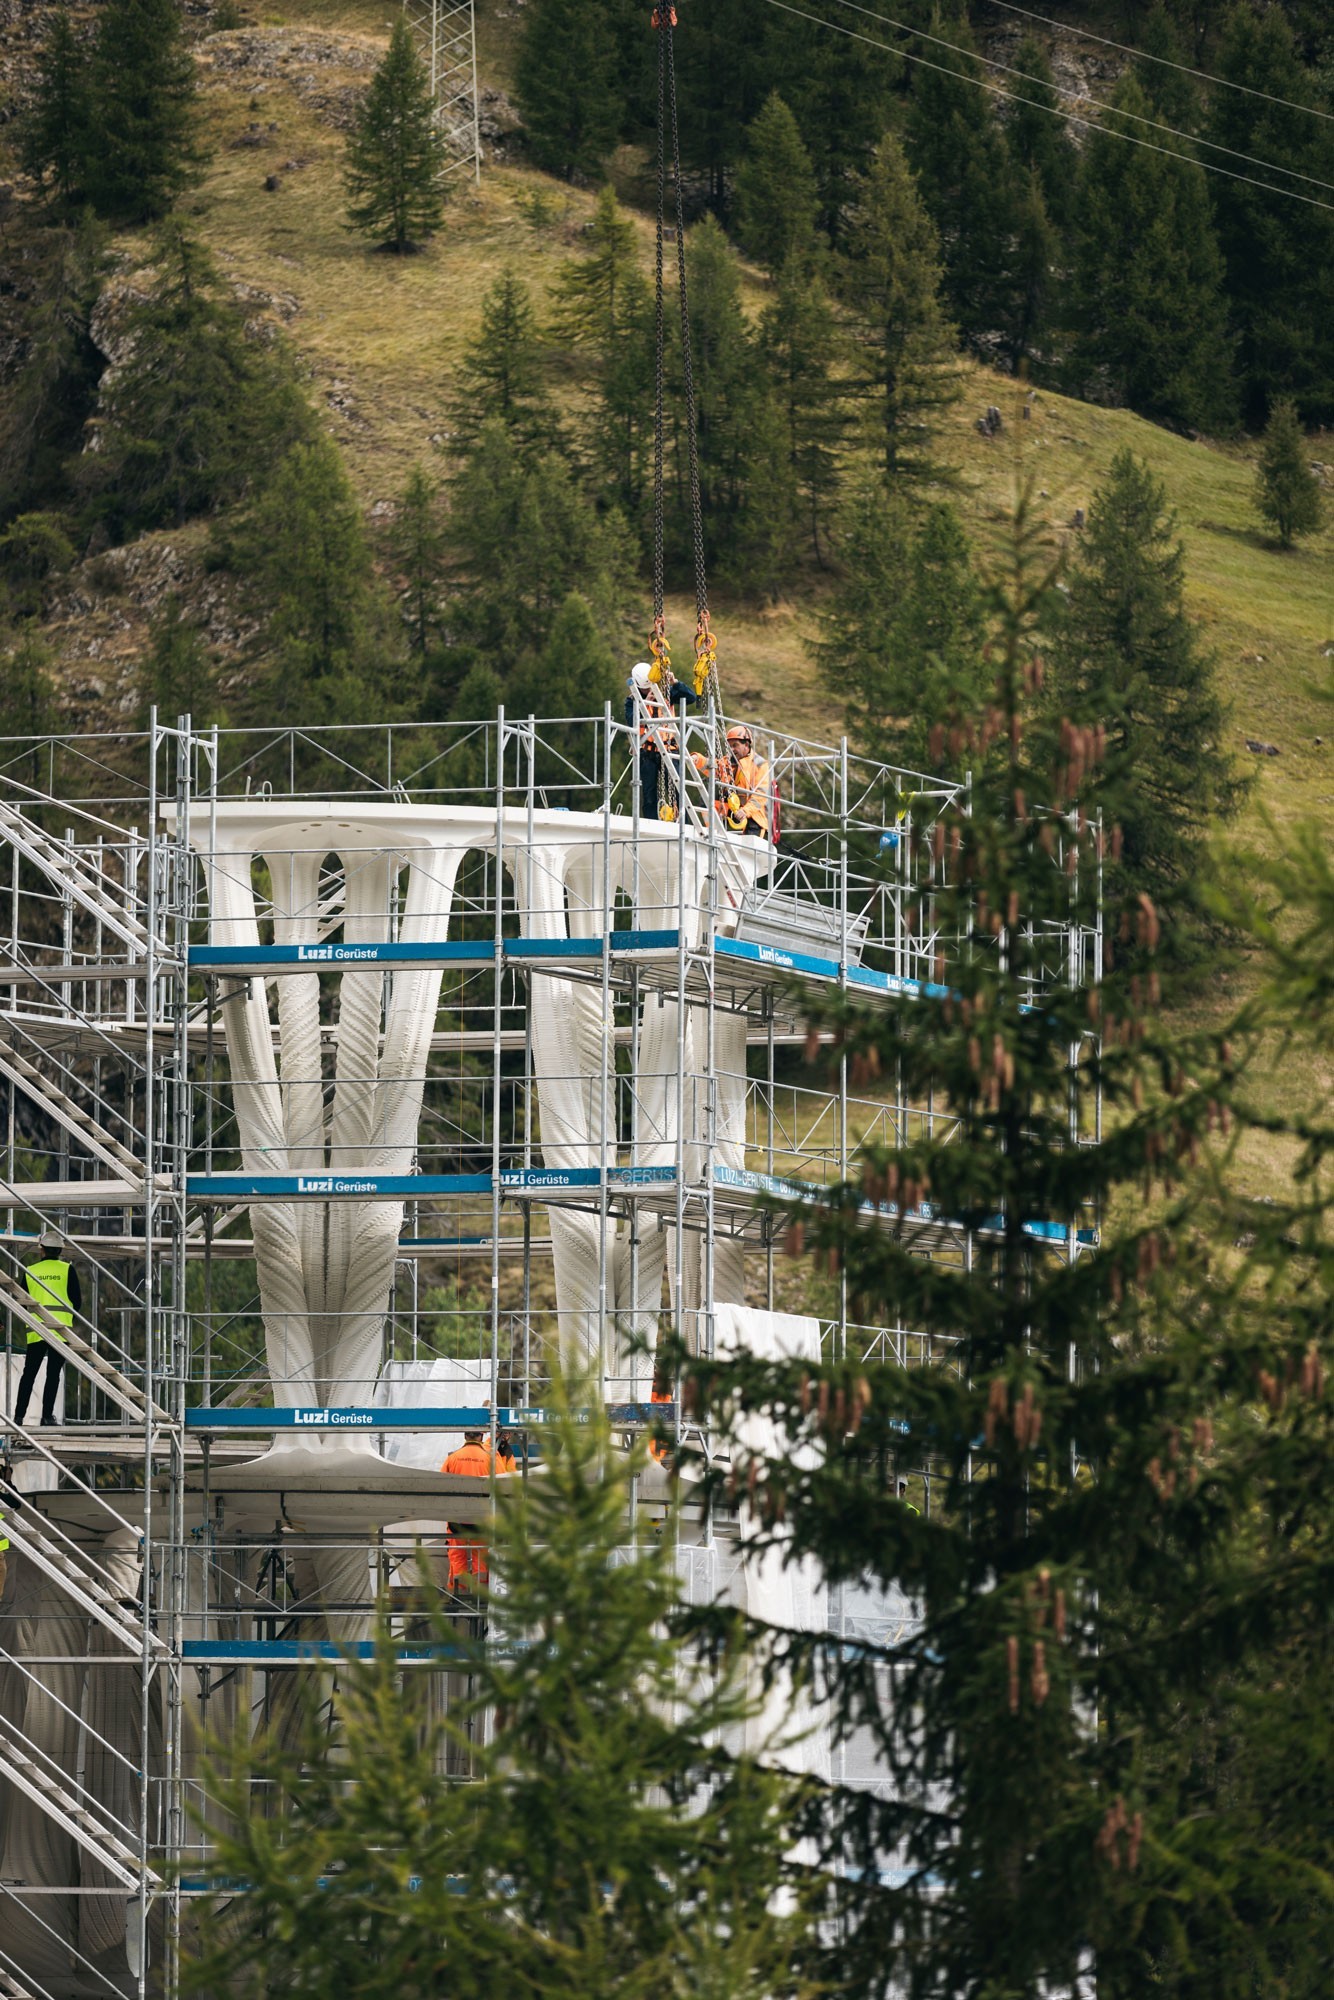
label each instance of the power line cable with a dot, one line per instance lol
(1142, 55)
(1053, 110)
(1089, 103)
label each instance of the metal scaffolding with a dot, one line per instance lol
(446, 33)
(164, 1571)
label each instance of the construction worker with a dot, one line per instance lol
(467, 1550)
(648, 705)
(661, 1392)
(4, 1553)
(903, 1496)
(53, 1286)
(746, 807)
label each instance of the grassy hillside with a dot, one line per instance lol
(382, 338)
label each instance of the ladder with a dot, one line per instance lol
(43, 1547)
(81, 1355)
(66, 867)
(105, 1839)
(79, 1123)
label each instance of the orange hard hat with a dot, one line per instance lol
(738, 733)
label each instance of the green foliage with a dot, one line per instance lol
(903, 634)
(574, 675)
(1128, 658)
(1122, 1445)
(777, 203)
(395, 154)
(178, 675)
(522, 536)
(418, 547)
(1279, 254)
(1147, 286)
(27, 692)
(803, 345)
(196, 407)
(503, 377)
(143, 149)
(967, 179)
(304, 554)
(842, 94)
(1036, 131)
(604, 309)
(563, 83)
(903, 374)
(51, 394)
(34, 550)
(55, 134)
(604, 1842)
(1287, 491)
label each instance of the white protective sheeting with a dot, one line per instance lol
(786, 1593)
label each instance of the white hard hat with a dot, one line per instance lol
(640, 672)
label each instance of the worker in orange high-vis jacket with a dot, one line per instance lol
(747, 808)
(467, 1550)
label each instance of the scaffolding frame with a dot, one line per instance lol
(119, 1134)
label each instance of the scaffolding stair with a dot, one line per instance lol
(81, 1355)
(108, 1842)
(79, 1123)
(64, 866)
(12, 1988)
(41, 1546)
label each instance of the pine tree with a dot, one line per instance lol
(1279, 254)
(195, 407)
(1165, 81)
(395, 154)
(592, 293)
(418, 546)
(1120, 1441)
(966, 179)
(178, 675)
(769, 525)
(803, 344)
(605, 1843)
(522, 536)
(1036, 254)
(564, 83)
(27, 706)
(777, 204)
(903, 633)
(1147, 286)
(1128, 658)
(143, 148)
(503, 378)
(305, 555)
(1287, 491)
(728, 384)
(55, 133)
(903, 348)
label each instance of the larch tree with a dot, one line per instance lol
(1287, 491)
(1128, 659)
(178, 675)
(603, 310)
(1036, 130)
(903, 374)
(1147, 283)
(802, 343)
(503, 379)
(143, 144)
(418, 547)
(395, 153)
(776, 199)
(902, 635)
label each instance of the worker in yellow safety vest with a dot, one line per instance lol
(4, 1553)
(53, 1287)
